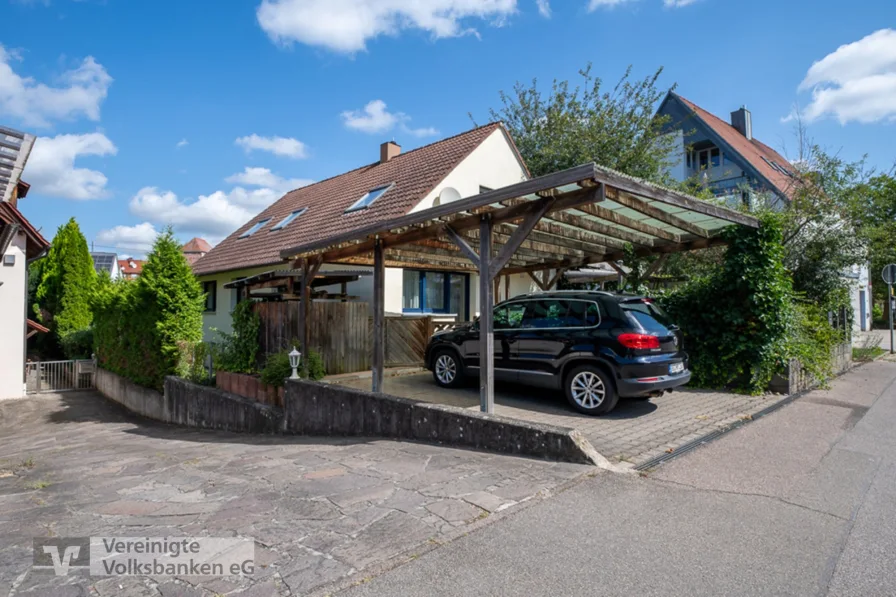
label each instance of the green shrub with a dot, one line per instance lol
(736, 320)
(78, 344)
(142, 328)
(238, 351)
(877, 312)
(277, 368)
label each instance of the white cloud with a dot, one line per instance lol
(544, 8)
(51, 168)
(79, 93)
(857, 82)
(678, 3)
(375, 118)
(182, 143)
(138, 238)
(282, 146)
(596, 4)
(216, 215)
(347, 25)
(262, 177)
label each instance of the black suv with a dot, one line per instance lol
(596, 346)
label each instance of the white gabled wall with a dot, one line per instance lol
(12, 321)
(494, 164)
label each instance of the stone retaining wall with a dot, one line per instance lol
(311, 408)
(795, 379)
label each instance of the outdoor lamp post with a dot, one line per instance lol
(295, 357)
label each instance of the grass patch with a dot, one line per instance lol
(37, 484)
(869, 353)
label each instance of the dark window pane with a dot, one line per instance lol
(647, 315)
(716, 157)
(583, 314)
(704, 159)
(458, 296)
(509, 317)
(435, 291)
(546, 314)
(411, 290)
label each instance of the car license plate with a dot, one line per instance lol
(676, 368)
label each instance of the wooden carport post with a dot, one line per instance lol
(309, 267)
(486, 317)
(379, 315)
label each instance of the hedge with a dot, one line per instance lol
(143, 329)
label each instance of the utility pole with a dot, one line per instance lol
(889, 276)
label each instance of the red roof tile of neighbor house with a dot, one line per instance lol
(751, 150)
(196, 245)
(9, 214)
(411, 175)
(130, 267)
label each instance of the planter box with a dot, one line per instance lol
(249, 386)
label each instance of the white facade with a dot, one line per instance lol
(13, 277)
(860, 297)
(492, 165)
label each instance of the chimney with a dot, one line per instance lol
(389, 150)
(742, 120)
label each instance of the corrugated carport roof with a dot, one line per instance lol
(587, 215)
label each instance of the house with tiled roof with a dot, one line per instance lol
(130, 268)
(724, 155)
(20, 243)
(395, 184)
(735, 165)
(195, 248)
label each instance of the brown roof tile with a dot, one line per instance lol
(412, 175)
(751, 150)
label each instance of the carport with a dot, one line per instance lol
(541, 227)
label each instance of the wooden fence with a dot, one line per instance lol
(343, 334)
(338, 331)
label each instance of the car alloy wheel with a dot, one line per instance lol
(446, 369)
(588, 390)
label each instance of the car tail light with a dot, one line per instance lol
(639, 341)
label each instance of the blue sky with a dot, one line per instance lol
(201, 113)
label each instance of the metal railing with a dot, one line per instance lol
(59, 376)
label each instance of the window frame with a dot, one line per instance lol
(213, 295)
(600, 316)
(254, 228)
(292, 217)
(446, 294)
(359, 204)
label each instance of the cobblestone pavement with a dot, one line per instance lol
(320, 510)
(634, 433)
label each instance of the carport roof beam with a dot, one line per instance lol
(585, 215)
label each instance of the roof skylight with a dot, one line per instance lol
(255, 228)
(368, 199)
(288, 219)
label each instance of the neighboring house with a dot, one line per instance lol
(106, 262)
(194, 249)
(397, 183)
(130, 268)
(20, 243)
(735, 165)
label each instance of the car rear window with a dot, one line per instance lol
(648, 315)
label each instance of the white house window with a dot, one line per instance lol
(705, 159)
(435, 292)
(368, 198)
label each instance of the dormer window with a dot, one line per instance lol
(288, 219)
(368, 198)
(255, 228)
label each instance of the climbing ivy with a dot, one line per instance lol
(737, 321)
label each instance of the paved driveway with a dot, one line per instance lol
(319, 510)
(634, 433)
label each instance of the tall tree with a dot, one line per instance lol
(576, 124)
(168, 287)
(68, 280)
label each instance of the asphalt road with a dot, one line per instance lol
(801, 502)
